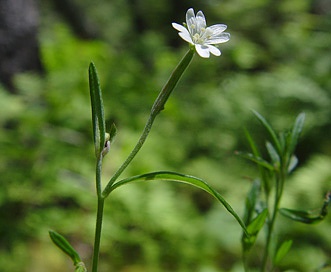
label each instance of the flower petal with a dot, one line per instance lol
(186, 36)
(191, 21)
(179, 27)
(202, 50)
(217, 29)
(201, 21)
(216, 39)
(214, 50)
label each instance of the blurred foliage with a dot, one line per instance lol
(277, 62)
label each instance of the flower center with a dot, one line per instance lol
(200, 37)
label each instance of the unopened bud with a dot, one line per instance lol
(106, 148)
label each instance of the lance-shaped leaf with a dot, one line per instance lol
(258, 160)
(98, 119)
(295, 133)
(270, 130)
(65, 246)
(307, 217)
(177, 177)
(282, 251)
(253, 229)
(275, 158)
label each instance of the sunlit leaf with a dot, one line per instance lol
(177, 177)
(282, 251)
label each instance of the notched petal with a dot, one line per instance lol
(201, 20)
(202, 50)
(222, 38)
(217, 29)
(178, 27)
(214, 50)
(186, 36)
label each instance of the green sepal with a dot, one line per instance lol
(177, 177)
(65, 246)
(98, 119)
(253, 229)
(282, 251)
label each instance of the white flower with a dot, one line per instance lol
(202, 37)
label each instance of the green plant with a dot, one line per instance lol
(263, 200)
(201, 39)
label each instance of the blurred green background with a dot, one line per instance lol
(277, 62)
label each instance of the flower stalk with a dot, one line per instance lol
(157, 107)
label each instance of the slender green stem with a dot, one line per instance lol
(98, 225)
(278, 195)
(157, 107)
(97, 236)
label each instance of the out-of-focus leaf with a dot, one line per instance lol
(293, 163)
(307, 217)
(98, 119)
(296, 130)
(177, 177)
(275, 158)
(257, 160)
(112, 133)
(253, 229)
(282, 251)
(270, 130)
(251, 199)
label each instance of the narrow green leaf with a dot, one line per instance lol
(257, 160)
(98, 119)
(296, 131)
(65, 246)
(270, 130)
(307, 217)
(255, 226)
(251, 199)
(282, 251)
(253, 229)
(177, 177)
(264, 170)
(252, 144)
(275, 158)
